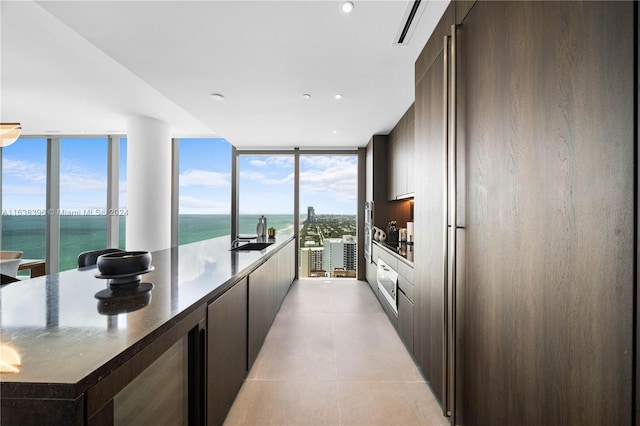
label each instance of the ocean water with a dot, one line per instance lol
(82, 233)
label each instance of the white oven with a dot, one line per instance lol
(388, 284)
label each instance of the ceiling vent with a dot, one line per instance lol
(409, 21)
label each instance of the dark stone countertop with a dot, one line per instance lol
(67, 346)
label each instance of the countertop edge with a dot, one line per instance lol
(71, 391)
(403, 259)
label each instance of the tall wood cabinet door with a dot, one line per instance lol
(410, 151)
(429, 225)
(262, 306)
(392, 163)
(226, 351)
(549, 132)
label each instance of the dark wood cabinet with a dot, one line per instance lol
(405, 320)
(268, 285)
(226, 350)
(546, 104)
(406, 293)
(376, 187)
(429, 208)
(400, 157)
(262, 308)
(544, 111)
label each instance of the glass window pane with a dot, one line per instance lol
(205, 189)
(122, 189)
(266, 188)
(83, 198)
(328, 208)
(24, 175)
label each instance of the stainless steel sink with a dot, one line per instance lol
(252, 246)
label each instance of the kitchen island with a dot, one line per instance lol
(90, 361)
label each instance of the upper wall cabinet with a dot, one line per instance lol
(400, 159)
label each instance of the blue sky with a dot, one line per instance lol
(328, 183)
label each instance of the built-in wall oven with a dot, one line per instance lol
(368, 230)
(388, 284)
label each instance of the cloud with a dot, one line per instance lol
(24, 170)
(73, 177)
(278, 161)
(73, 182)
(274, 167)
(253, 176)
(337, 175)
(23, 190)
(205, 178)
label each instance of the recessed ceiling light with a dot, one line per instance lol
(338, 96)
(334, 132)
(306, 96)
(347, 7)
(217, 97)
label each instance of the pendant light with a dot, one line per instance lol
(9, 133)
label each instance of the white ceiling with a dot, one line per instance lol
(83, 67)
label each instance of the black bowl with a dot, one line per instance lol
(124, 262)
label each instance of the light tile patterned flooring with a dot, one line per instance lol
(333, 358)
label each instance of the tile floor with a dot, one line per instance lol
(333, 358)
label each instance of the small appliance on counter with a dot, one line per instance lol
(410, 237)
(392, 232)
(261, 228)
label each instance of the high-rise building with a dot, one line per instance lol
(350, 252)
(311, 261)
(340, 253)
(333, 254)
(311, 214)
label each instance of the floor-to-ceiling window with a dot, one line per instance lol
(266, 187)
(24, 191)
(83, 198)
(328, 212)
(122, 194)
(204, 189)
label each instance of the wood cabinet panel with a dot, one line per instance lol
(261, 308)
(400, 156)
(405, 321)
(405, 270)
(549, 135)
(393, 160)
(407, 287)
(429, 223)
(434, 46)
(410, 150)
(372, 276)
(462, 8)
(377, 185)
(268, 285)
(226, 351)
